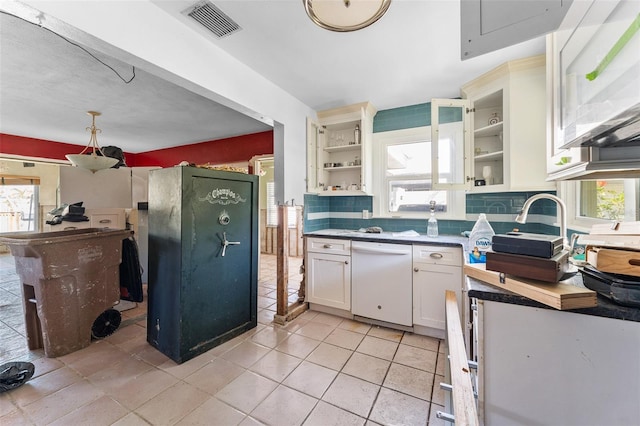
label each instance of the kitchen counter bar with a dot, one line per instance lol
(606, 308)
(391, 237)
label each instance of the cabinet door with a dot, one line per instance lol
(429, 285)
(328, 279)
(450, 144)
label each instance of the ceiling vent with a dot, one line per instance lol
(213, 19)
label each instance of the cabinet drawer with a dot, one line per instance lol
(107, 218)
(328, 245)
(437, 255)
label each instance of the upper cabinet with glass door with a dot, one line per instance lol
(339, 151)
(506, 115)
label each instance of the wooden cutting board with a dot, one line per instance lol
(614, 261)
(556, 295)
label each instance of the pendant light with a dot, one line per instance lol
(345, 15)
(91, 157)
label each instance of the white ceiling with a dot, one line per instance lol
(408, 57)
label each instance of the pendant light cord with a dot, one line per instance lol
(133, 68)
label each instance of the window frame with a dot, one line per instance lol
(456, 208)
(569, 192)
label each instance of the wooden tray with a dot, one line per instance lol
(559, 296)
(626, 262)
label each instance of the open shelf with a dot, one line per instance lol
(491, 130)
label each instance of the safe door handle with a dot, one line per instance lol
(226, 243)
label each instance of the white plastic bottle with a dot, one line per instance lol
(480, 240)
(432, 223)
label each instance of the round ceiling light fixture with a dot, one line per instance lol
(345, 15)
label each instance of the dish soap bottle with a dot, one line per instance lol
(432, 223)
(480, 240)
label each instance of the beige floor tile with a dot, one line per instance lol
(357, 326)
(140, 389)
(345, 338)
(186, 368)
(395, 408)
(440, 364)
(328, 319)
(250, 421)
(245, 354)
(270, 336)
(103, 353)
(6, 406)
(352, 394)
(298, 345)
(423, 342)
(377, 347)
(45, 365)
(15, 418)
(371, 423)
(409, 380)
(367, 367)
(213, 413)
(102, 411)
(386, 333)
(328, 415)
(421, 359)
(44, 385)
(315, 330)
(62, 402)
(265, 316)
(330, 356)
(173, 404)
(131, 419)
(215, 375)
(246, 391)
(433, 419)
(438, 394)
(284, 407)
(311, 379)
(226, 346)
(149, 354)
(263, 302)
(115, 376)
(276, 365)
(125, 334)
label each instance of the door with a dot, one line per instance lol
(450, 144)
(221, 260)
(329, 280)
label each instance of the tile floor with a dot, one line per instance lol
(317, 370)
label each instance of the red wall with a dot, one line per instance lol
(222, 151)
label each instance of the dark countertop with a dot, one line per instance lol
(606, 308)
(391, 237)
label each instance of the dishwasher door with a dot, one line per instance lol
(381, 285)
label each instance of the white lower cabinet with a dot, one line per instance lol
(547, 367)
(328, 272)
(435, 270)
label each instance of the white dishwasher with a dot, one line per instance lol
(381, 286)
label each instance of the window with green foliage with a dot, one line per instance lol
(614, 199)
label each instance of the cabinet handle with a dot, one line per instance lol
(436, 255)
(105, 221)
(379, 307)
(346, 262)
(416, 269)
(445, 416)
(328, 246)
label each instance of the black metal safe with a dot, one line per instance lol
(203, 259)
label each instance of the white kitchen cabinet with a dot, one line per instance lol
(381, 282)
(328, 273)
(98, 218)
(591, 79)
(542, 366)
(435, 270)
(339, 158)
(109, 188)
(507, 117)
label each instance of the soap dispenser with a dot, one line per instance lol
(432, 223)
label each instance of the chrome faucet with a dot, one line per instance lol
(522, 216)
